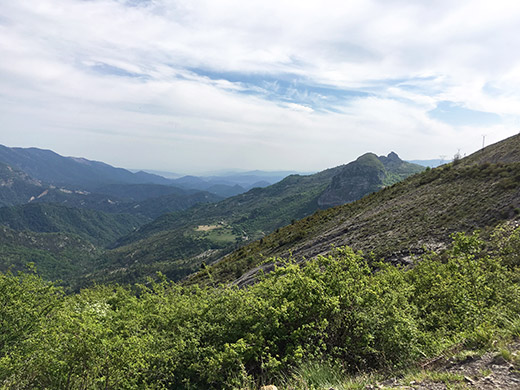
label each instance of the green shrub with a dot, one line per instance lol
(335, 311)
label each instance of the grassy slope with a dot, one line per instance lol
(477, 192)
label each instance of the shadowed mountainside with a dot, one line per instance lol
(51, 168)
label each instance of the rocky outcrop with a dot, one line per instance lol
(369, 173)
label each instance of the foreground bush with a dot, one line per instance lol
(336, 309)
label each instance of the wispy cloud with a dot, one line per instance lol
(184, 85)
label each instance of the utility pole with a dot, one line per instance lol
(483, 140)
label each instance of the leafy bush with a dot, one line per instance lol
(336, 311)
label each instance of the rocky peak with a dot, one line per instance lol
(369, 173)
(393, 156)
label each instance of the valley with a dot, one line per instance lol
(370, 268)
(142, 223)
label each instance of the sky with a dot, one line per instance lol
(193, 86)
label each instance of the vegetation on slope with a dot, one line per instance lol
(97, 227)
(61, 241)
(369, 173)
(336, 311)
(177, 244)
(407, 218)
(155, 207)
(57, 256)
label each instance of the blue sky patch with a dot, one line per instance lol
(287, 88)
(454, 114)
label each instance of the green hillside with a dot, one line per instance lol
(55, 255)
(403, 220)
(335, 323)
(97, 227)
(178, 243)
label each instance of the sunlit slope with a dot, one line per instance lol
(407, 218)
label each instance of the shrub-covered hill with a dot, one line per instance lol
(176, 244)
(299, 327)
(407, 218)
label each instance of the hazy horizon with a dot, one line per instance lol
(228, 170)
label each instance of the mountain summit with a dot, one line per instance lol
(369, 173)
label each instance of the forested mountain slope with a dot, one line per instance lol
(145, 201)
(97, 227)
(407, 218)
(55, 255)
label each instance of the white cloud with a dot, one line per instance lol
(104, 78)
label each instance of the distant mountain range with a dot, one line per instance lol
(51, 168)
(433, 163)
(146, 200)
(74, 173)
